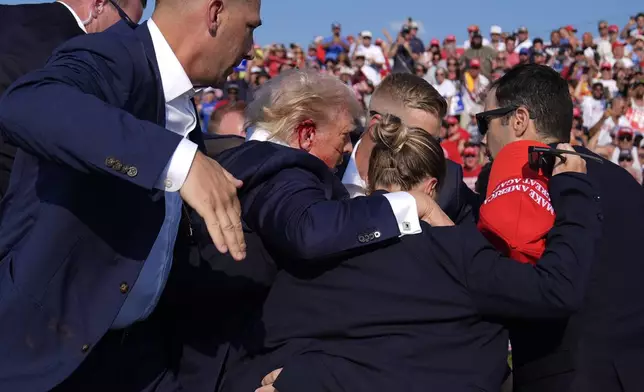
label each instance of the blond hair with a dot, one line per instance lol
(411, 91)
(403, 156)
(298, 95)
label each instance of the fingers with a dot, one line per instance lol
(570, 163)
(268, 388)
(214, 229)
(229, 222)
(271, 377)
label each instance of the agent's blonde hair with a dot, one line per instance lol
(297, 95)
(411, 91)
(402, 156)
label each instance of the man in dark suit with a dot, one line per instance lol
(599, 348)
(296, 214)
(88, 227)
(30, 33)
(418, 104)
(420, 312)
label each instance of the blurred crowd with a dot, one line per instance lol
(603, 69)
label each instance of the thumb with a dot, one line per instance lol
(238, 183)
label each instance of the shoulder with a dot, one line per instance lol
(117, 46)
(256, 162)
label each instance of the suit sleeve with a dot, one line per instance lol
(70, 112)
(295, 215)
(556, 285)
(455, 198)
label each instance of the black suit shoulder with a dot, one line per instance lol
(29, 33)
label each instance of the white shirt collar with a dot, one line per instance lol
(80, 22)
(262, 135)
(351, 178)
(174, 79)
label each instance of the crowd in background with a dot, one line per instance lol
(603, 69)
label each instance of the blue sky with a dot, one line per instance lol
(299, 21)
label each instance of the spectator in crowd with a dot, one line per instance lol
(416, 44)
(484, 54)
(496, 41)
(335, 44)
(474, 87)
(594, 105)
(471, 166)
(473, 30)
(401, 52)
(523, 39)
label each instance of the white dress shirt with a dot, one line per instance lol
(181, 119)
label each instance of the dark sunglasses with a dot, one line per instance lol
(626, 138)
(483, 118)
(627, 159)
(123, 15)
(544, 158)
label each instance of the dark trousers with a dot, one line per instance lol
(140, 358)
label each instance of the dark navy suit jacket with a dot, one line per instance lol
(419, 313)
(600, 348)
(75, 226)
(297, 215)
(29, 33)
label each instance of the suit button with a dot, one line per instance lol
(117, 166)
(124, 287)
(85, 348)
(600, 216)
(597, 198)
(109, 162)
(371, 237)
(124, 169)
(376, 234)
(132, 171)
(361, 238)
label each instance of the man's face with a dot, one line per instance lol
(332, 140)
(510, 46)
(336, 31)
(359, 62)
(625, 141)
(469, 161)
(233, 41)
(366, 41)
(603, 29)
(411, 117)
(498, 134)
(598, 91)
(626, 162)
(619, 108)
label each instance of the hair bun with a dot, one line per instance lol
(389, 131)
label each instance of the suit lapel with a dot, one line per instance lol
(146, 40)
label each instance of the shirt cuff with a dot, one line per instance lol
(176, 171)
(404, 207)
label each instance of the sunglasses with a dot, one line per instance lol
(626, 138)
(123, 15)
(469, 156)
(627, 159)
(543, 158)
(483, 118)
